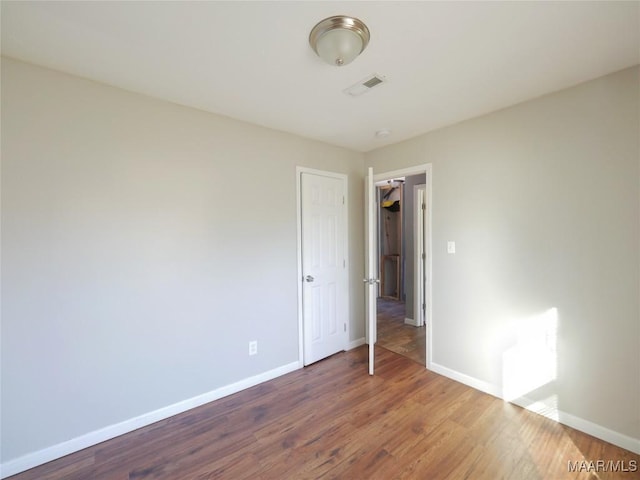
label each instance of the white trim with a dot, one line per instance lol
(412, 322)
(345, 226)
(90, 439)
(419, 275)
(577, 423)
(616, 438)
(468, 380)
(299, 260)
(405, 172)
(356, 343)
(428, 288)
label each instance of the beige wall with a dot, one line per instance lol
(542, 202)
(143, 245)
(135, 266)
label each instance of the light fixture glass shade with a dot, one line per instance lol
(339, 40)
(339, 47)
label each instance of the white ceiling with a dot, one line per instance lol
(444, 61)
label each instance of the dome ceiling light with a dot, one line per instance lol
(339, 40)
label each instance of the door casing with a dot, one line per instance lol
(428, 291)
(419, 244)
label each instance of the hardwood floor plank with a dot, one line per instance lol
(333, 420)
(395, 335)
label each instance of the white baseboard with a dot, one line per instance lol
(593, 429)
(590, 428)
(481, 385)
(411, 321)
(355, 343)
(48, 454)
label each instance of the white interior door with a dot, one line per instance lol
(371, 281)
(324, 274)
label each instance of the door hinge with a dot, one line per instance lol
(344, 264)
(424, 206)
(423, 256)
(343, 199)
(345, 327)
(424, 306)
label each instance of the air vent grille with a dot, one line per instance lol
(373, 82)
(364, 85)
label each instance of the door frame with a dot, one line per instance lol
(419, 275)
(426, 169)
(345, 225)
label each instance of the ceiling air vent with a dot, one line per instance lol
(364, 85)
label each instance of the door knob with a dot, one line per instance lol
(309, 278)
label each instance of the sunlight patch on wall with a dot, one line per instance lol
(532, 362)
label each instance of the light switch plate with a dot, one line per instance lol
(451, 247)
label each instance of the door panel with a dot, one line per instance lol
(324, 276)
(371, 282)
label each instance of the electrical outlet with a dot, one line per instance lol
(253, 347)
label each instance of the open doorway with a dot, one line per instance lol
(401, 263)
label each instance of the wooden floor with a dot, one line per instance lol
(397, 336)
(331, 420)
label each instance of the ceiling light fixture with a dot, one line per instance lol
(339, 40)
